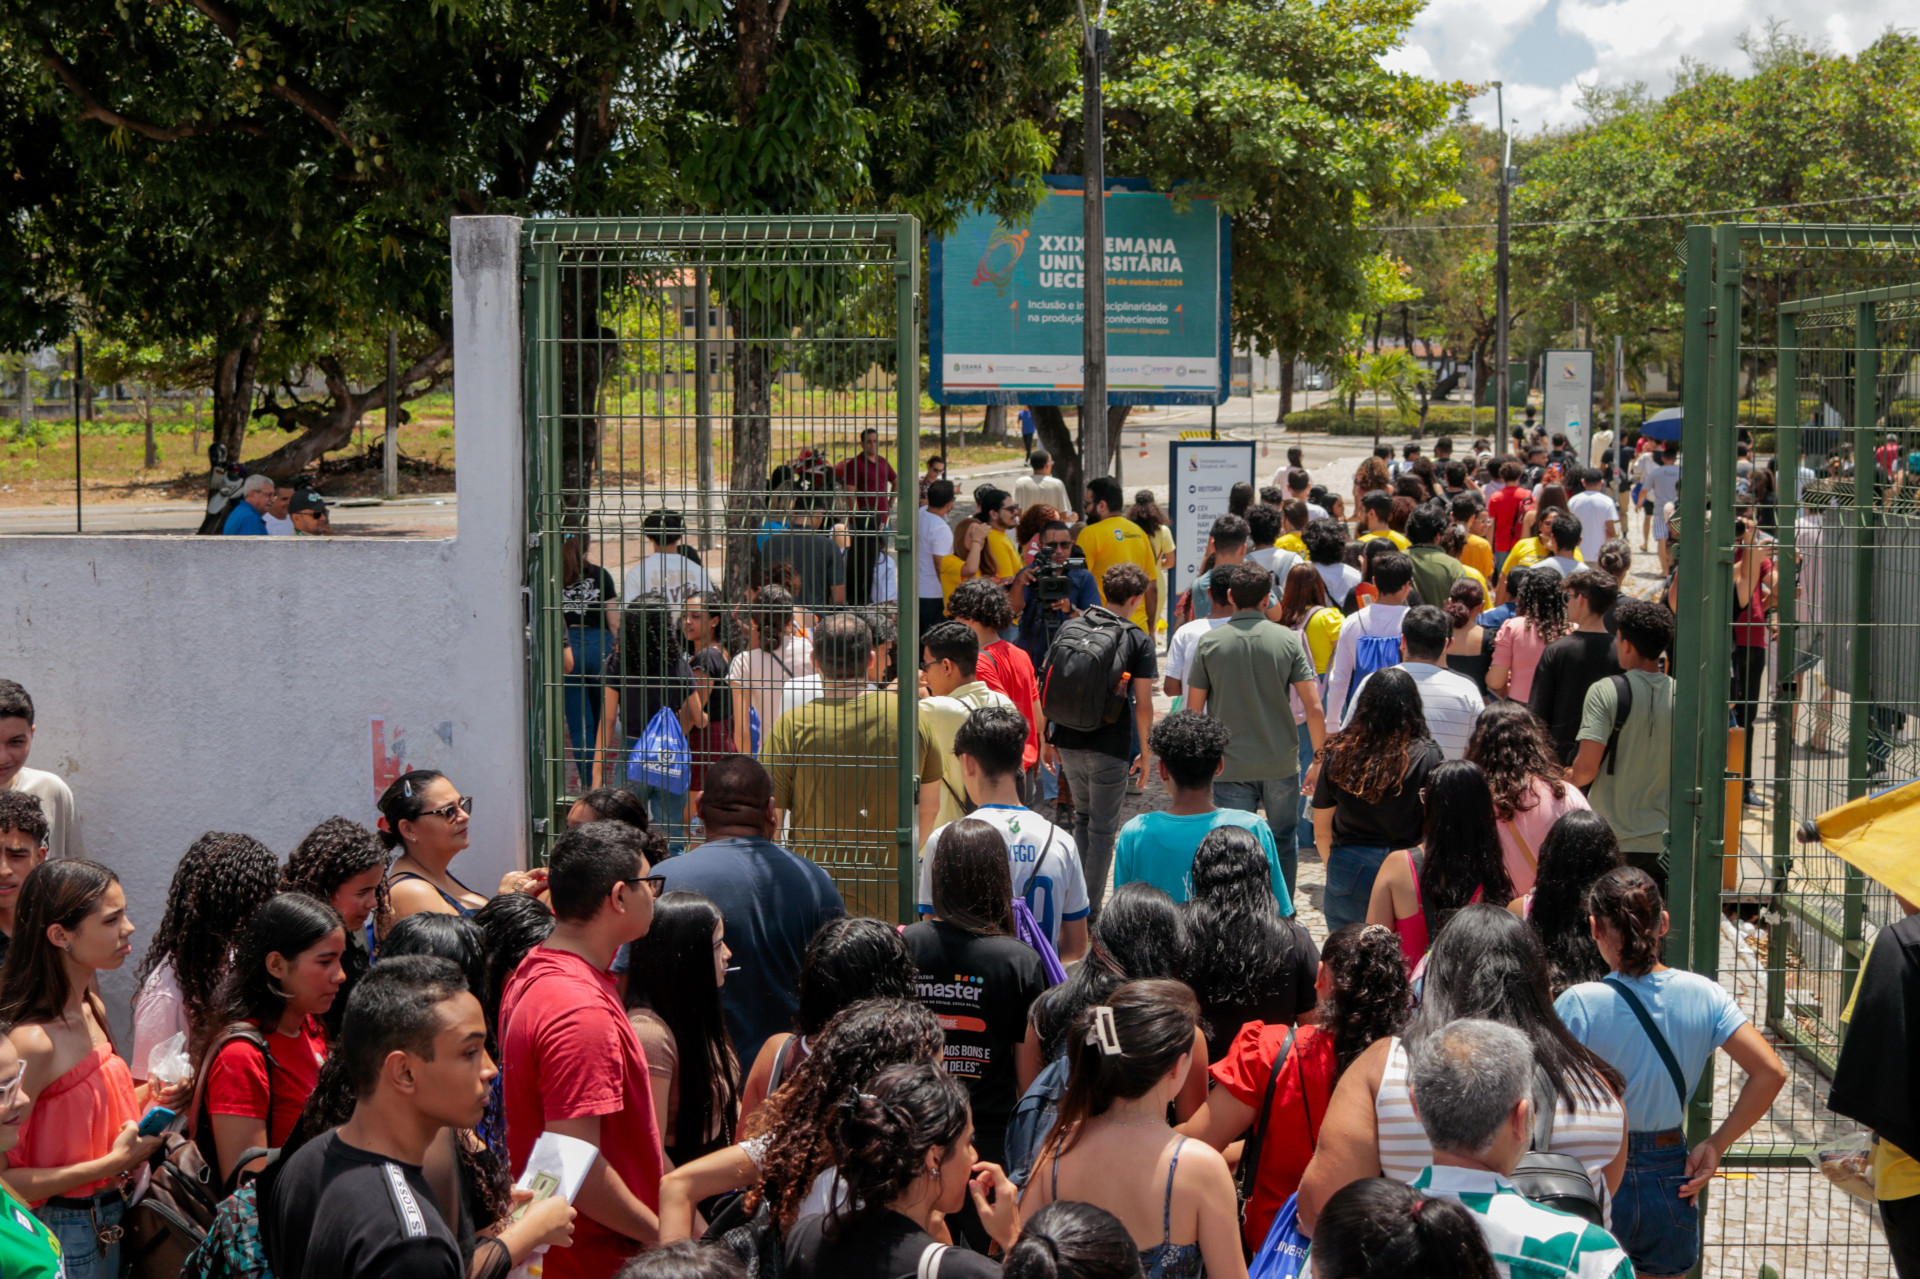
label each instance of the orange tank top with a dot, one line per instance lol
(78, 1116)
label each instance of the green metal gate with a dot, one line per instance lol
(1805, 338)
(706, 378)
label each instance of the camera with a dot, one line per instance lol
(1051, 581)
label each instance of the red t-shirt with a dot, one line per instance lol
(876, 478)
(1007, 669)
(238, 1082)
(1509, 510)
(1299, 1108)
(567, 1051)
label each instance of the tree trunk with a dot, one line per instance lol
(26, 394)
(588, 351)
(752, 453)
(321, 434)
(152, 457)
(1286, 390)
(234, 371)
(993, 429)
(1051, 422)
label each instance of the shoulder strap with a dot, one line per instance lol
(930, 1260)
(1622, 707)
(236, 1030)
(1526, 849)
(1653, 1032)
(782, 1063)
(1250, 1154)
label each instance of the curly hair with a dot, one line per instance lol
(1539, 597)
(981, 600)
(1579, 849)
(1512, 748)
(881, 1138)
(332, 853)
(1371, 997)
(1369, 757)
(218, 885)
(1191, 745)
(1371, 474)
(1033, 519)
(859, 1043)
(1239, 948)
(847, 960)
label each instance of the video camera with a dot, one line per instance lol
(1051, 581)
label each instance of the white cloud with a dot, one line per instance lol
(1544, 50)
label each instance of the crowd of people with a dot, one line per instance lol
(1105, 1048)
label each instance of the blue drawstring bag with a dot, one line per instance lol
(753, 732)
(1283, 1254)
(660, 756)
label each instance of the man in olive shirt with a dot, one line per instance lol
(835, 766)
(1242, 674)
(1434, 571)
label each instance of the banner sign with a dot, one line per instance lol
(1200, 475)
(1006, 318)
(1568, 393)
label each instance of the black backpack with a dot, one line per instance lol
(1081, 685)
(1555, 1180)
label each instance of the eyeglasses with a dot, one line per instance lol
(931, 662)
(10, 1087)
(656, 884)
(464, 804)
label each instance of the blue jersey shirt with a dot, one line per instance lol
(244, 521)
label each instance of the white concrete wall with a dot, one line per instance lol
(193, 684)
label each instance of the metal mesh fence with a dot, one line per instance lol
(1802, 590)
(722, 429)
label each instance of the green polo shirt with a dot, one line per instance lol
(1248, 667)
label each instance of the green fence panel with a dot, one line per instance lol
(695, 391)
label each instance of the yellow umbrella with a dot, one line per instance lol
(1878, 834)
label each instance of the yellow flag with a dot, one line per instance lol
(1879, 835)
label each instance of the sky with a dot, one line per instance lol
(1544, 51)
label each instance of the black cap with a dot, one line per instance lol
(307, 500)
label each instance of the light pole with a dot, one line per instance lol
(1500, 276)
(1095, 455)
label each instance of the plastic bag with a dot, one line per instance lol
(1851, 1170)
(661, 757)
(168, 1061)
(1284, 1253)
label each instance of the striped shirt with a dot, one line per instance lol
(1527, 1240)
(1451, 701)
(1589, 1135)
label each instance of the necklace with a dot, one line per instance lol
(1157, 1122)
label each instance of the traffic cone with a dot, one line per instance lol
(1143, 444)
(1265, 449)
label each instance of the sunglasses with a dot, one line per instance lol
(464, 804)
(10, 1087)
(656, 884)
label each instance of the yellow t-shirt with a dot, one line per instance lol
(1295, 543)
(1000, 552)
(1479, 577)
(1118, 540)
(1529, 551)
(1322, 633)
(950, 567)
(1398, 539)
(1477, 554)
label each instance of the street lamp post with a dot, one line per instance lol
(1500, 277)
(1095, 454)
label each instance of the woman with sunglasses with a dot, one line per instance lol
(424, 818)
(27, 1248)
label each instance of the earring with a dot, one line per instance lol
(274, 989)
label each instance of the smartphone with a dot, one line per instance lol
(157, 1121)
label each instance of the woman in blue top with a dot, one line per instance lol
(1658, 1027)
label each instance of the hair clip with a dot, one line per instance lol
(406, 788)
(1103, 1032)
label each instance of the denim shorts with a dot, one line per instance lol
(1351, 869)
(1658, 1229)
(78, 1230)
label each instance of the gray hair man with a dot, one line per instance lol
(1472, 1085)
(248, 516)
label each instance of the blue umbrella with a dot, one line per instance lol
(1663, 426)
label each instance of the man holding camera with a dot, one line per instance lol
(1050, 590)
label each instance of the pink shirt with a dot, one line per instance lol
(1518, 648)
(1521, 838)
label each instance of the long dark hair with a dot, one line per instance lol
(1146, 512)
(882, 1135)
(1154, 1022)
(332, 853)
(289, 925)
(970, 881)
(514, 923)
(404, 801)
(1138, 935)
(648, 647)
(1073, 1241)
(848, 960)
(1369, 758)
(771, 612)
(1628, 901)
(1579, 849)
(219, 883)
(33, 984)
(1371, 997)
(670, 970)
(1379, 1228)
(1512, 748)
(1239, 949)
(1487, 963)
(859, 1043)
(1463, 854)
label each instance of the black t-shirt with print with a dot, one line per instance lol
(884, 1246)
(1115, 739)
(980, 988)
(335, 1211)
(1397, 820)
(1568, 667)
(584, 603)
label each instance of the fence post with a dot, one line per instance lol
(1786, 451)
(1860, 717)
(906, 396)
(547, 732)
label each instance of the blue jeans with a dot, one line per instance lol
(1280, 797)
(582, 693)
(1099, 784)
(78, 1231)
(1304, 824)
(1350, 872)
(668, 810)
(1658, 1230)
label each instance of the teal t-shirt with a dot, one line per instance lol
(1158, 849)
